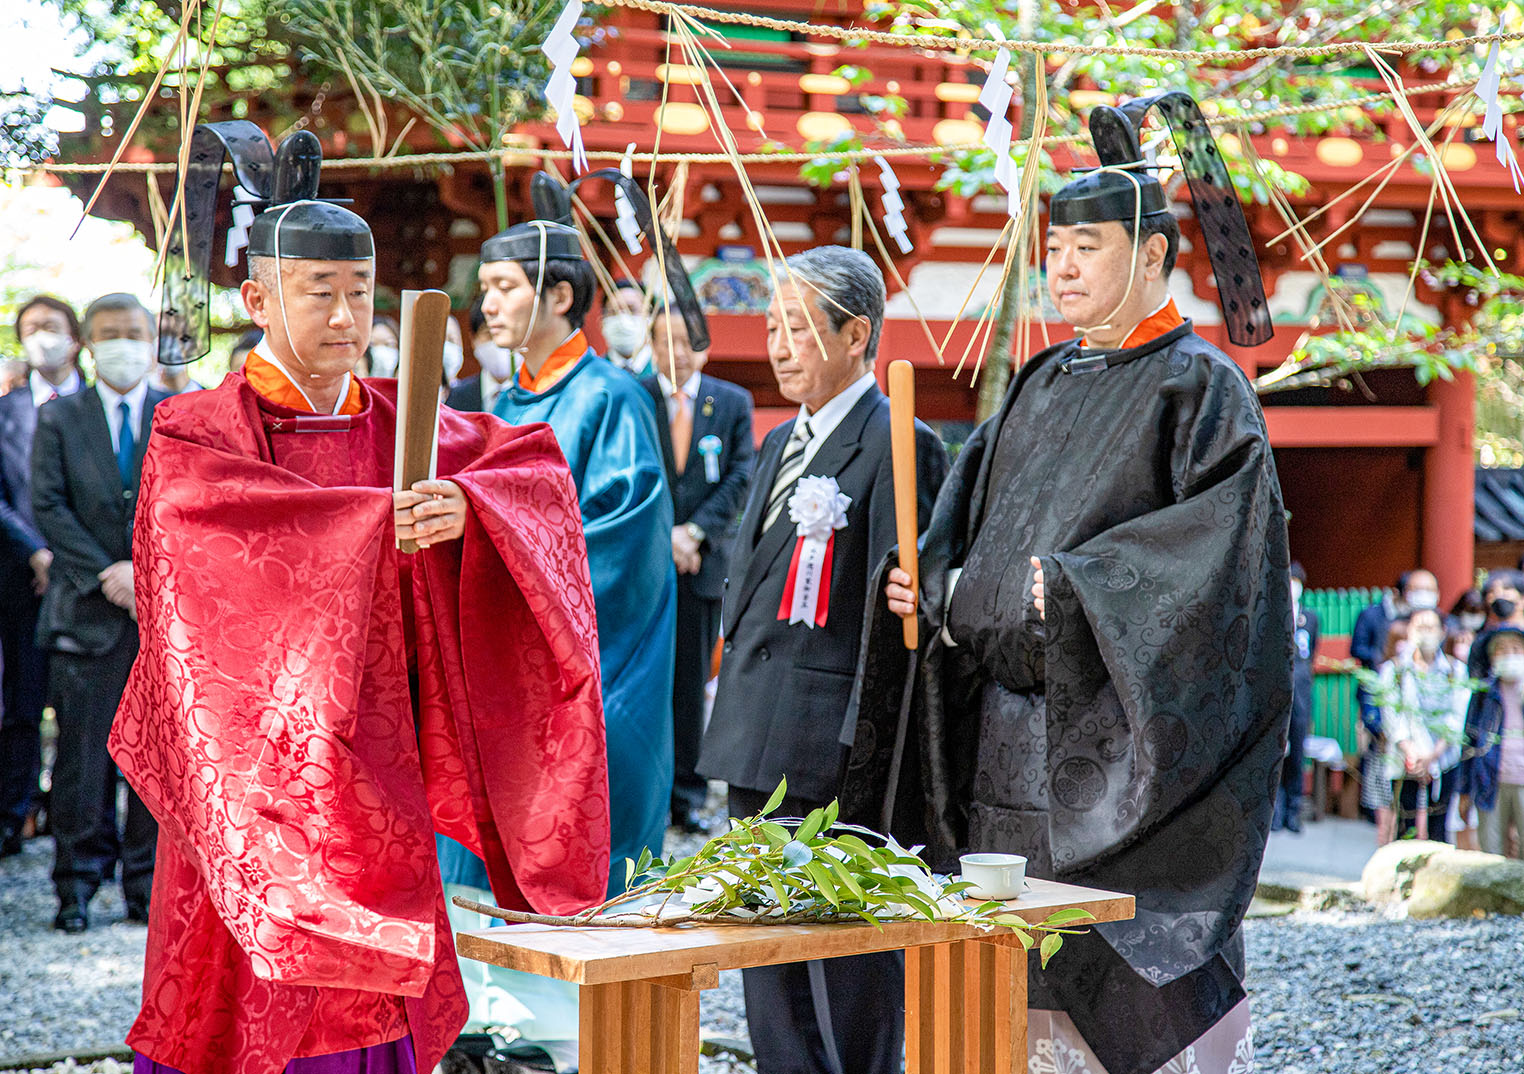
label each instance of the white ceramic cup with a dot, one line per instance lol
(994, 876)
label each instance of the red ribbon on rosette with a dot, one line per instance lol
(818, 509)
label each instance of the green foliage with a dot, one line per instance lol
(1490, 347)
(469, 68)
(1225, 89)
(120, 47)
(815, 869)
(1497, 331)
(1434, 707)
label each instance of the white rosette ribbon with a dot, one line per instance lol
(818, 508)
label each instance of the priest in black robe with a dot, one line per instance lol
(1104, 683)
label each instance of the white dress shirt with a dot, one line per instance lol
(44, 389)
(824, 421)
(491, 387)
(112, 400)
(690, 389)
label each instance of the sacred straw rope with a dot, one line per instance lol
(412, 160)
(857, 35)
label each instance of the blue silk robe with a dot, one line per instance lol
(604, 422)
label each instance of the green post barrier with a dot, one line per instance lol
(1335, 710)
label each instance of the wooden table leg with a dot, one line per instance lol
(966, 1008)
(642, 1027)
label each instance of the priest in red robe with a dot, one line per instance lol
(310, 706)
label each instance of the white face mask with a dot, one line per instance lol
(383, 361)
(454, 359)
(1423, 599)
(47, 351)
(1473, 622)
(121, 363)
(1509, 667)
(1296, 591)
(1428, 642)
(496, 361)
(624, 332)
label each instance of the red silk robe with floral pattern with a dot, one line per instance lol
(268, 723)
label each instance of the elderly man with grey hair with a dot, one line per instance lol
(819, 520)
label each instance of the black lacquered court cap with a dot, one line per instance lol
(1099, 196)
(533, 240)
(280, 186)
(1111, 195)
(312, 230)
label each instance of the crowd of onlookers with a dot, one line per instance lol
(1442, 712)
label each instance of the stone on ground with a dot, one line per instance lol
(1388, 876)
(1465, 883)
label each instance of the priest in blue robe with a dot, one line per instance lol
(537, 289)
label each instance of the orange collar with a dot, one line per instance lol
(267, 379)
(556, 366)
(1152, 326)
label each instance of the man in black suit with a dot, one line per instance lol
(792, 634)
(85, 471)
(480, 391)
(49, 334)
(706, 444)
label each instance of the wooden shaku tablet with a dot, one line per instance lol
(420, 373)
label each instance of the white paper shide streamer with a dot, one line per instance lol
(560, 48)
(243, 218)
(1489, 90)
(624, 212)
(996, 97)
(894, 206)
(818, 508)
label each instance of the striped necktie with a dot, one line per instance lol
(790, 469)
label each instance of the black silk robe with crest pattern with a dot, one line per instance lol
(1131, 739)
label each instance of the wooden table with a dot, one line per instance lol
(965, 989)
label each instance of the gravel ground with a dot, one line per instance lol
(63, 993)
(1352, 992)
(1337, 992)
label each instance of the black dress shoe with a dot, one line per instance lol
(1294, 824)
(10, 843)
(71, 919)
(137, 915)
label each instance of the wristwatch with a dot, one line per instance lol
(695, 531)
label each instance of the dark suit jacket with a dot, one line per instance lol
(722, 410)
(86, 517)
(784, 690)
(19, 536)
(466, 395)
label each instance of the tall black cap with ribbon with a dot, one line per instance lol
(553, 235)
(1108, 194)
(292, 222)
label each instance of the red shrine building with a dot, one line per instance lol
(1377, 479)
